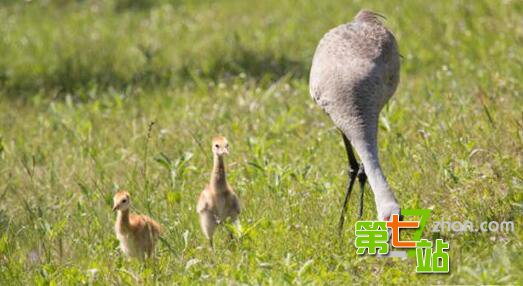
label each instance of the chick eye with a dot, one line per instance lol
(217, 146)
(124, 201)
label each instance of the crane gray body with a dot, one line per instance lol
(355, 70)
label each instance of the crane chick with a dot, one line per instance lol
(137, 233)
(217, 202)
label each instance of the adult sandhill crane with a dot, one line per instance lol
(355, 70)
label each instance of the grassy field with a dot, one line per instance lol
(97, 96)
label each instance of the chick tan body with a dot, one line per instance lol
(218, 202)
(137, 234)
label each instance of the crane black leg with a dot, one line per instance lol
(353, 172)
(362, 178)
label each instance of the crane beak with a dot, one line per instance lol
(115, 208)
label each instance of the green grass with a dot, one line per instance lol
(81, 82)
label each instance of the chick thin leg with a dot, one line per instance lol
(208, 224)
(236, 224)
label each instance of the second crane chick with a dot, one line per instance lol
(217, 202)
(137, 233)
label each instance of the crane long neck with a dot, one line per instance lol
(218, 176)
(383, 195)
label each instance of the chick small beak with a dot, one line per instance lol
(226, 151)
(115, 208)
